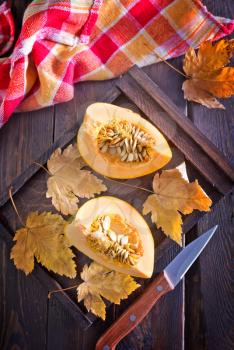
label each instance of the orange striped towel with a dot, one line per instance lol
(64, 42)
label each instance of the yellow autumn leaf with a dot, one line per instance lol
(100, 282)
(68, 181)
(174, 195)
(43, 238)
(208, 76)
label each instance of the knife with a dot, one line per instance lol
(165, 282)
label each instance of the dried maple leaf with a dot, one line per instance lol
(209, 78)
(43, 238)
(101, 282)
(174, 195)
(68, 181)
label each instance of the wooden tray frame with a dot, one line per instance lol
(161, 111)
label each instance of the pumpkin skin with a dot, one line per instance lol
(106, 205)
(99, 114)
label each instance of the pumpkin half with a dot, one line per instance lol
(119, 143)
(113, 233)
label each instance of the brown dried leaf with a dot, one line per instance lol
(101, 282)
(209, 78)
(68, 181)
(43, 238)
(174, 195)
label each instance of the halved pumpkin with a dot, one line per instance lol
(119, 143)
(115, 235)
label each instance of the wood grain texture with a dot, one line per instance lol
(181, 138)
(85, 93)
(209, 284)
(68, 332)
(135, 313)
(176, 115)
(33, 193)
(23, 305)
(22, 140)
(156, 331)
(23, 300)
(209, 288)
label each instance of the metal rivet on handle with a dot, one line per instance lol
(132, 318)
(106, 347)
(159, 288)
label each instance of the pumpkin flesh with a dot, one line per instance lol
(101, 116)
(140, 235)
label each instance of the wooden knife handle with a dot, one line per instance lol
(134, 314)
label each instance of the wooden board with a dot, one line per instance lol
(208, 318)
(204, 160)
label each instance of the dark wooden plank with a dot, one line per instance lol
(22, 140)
(32, 197)
(23, 305)
(73, 111)
(85, 93)
(63, 331)
(23, 300)
(27, 201)
(68, 338)
(65, 138)
(171, 108)
(216, 276)
(163, 328)
(183, 140)
(18, 182)
(209, 284)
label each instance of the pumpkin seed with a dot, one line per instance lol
(126, 144)
(136, 132)
(126, 254)
(112, 236)
(110, 133)
(112, 151)
(97, 234)
(124, 240)
(139, 148)
(123, 152)
(124, 157)
(134, 145)
(119, 237)
(130, 157)
(116, 140)
(104, 148)
(106, 223)
(113, 139)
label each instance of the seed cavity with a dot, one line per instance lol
(126, 141)
(116, 246)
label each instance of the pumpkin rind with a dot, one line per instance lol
(99, 114)
(106, 205)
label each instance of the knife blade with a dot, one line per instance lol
(165, 282)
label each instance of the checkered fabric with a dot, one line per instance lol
(63, 42)
(7, 29)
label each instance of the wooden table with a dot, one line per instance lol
(198, 315)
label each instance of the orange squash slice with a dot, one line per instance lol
(119, 143)
(115, 235)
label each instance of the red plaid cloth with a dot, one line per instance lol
(7, 29)
(63, 42)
